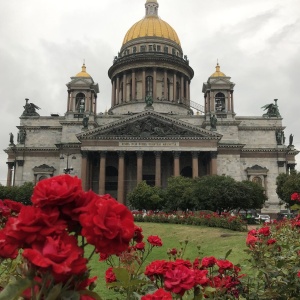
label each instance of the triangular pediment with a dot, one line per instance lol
(149, 125)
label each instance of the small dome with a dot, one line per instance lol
(83, 72)
(218, 73)
(151, 26)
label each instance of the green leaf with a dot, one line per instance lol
(90, 293)
(14, 289)
(70, 295)
(55, 291)
(122, 275)
(228, 253)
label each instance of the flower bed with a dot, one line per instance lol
(42, 250)
(224, 220)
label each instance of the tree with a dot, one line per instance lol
(287, 184)
(179, 193)
(145, 197)
(17, 193)
(223, 193)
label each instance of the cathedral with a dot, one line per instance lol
(152, 130)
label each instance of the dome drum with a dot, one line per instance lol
(150, 59)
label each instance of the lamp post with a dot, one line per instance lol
(68, 169)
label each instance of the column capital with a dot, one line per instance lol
(10, 164)
(121, 153)
(195, 154)
(176, 154)
(102, 153)
(157, 153)
(139, 153)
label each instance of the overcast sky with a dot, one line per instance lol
(44, 42)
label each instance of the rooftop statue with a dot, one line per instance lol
(272, 110)
(30, 109)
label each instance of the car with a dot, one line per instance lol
(263, 218)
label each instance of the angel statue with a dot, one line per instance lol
(272, 110)
(30, 109)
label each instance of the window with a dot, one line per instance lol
(134, 49)
(173, 51)
(150, 48)
(158, 48)
(166, 49)
(80, 102)
(143, 48)
(149, 86)
(220, 102)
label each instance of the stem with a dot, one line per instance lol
(92, 254)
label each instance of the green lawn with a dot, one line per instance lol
(213, 242)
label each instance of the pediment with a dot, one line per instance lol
(220, 80)
(149, 125)
(80, 81)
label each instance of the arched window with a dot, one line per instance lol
(80, 102)
(219, 102)
(149, 86)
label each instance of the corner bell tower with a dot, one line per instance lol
(82, 94)
(218, 95)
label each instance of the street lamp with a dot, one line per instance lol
(68, 169)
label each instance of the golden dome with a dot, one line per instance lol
(218, 73)
(151, 26)
(83, 72)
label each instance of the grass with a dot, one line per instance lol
(212, 241)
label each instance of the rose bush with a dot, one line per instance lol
(50, 236)
(43, 250)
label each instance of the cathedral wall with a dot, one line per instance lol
(272, 204)
(257, 138)
(229, 165)
(230, 133)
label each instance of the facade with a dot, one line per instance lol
(151, 131)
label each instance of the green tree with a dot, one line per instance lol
(249, 195)
(145, 197)
(287, 184)
(17, 193)
(179, 193)
(223, 193)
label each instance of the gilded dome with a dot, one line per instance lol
(218, 73)
(151, 26)
(83, 72)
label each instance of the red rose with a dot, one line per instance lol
(8, 247)
(138, 236)
(34, 224)
(57, 190)
(110, 275)
(271, 241)
(265, 231)
(140, 246)
(60, 255)
(173, 251)
(160, 294)
(208, 262)
(179, 280)
(107, 224)
(295, 197)
(13, 205)
(251, 240)
(201, 277)
(154, 240)
(225, 264)
(156, 268)
(4, 210)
